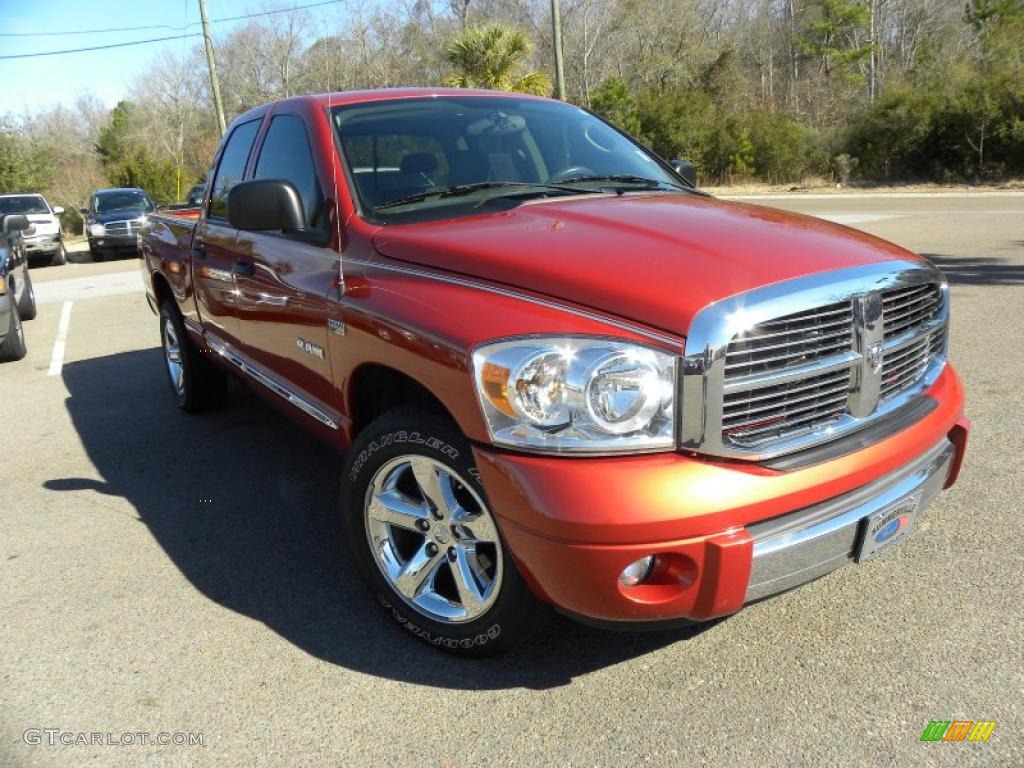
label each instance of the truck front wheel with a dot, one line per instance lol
(425, 541)
(197, 384)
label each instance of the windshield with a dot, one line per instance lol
(25, 204)
(113, 202)
(437, 157)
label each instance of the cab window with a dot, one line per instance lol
(232, 167)
(286, 154)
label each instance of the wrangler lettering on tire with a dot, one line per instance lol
(425, 540)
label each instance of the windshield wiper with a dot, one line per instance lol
(466, 189)
(625, 179)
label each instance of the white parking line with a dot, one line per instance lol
(57, 358)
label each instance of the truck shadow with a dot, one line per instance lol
(978, 270)
(245, 505)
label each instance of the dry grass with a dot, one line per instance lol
(824, 186)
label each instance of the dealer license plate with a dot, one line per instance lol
(887, 527)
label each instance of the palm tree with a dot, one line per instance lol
(491, 57)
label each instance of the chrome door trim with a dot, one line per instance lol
(254, 371)
(703, 383)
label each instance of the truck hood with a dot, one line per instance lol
(654, 259)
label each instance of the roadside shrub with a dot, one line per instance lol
(784, 150)
(843, 167)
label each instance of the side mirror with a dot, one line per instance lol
(58, 210)
(84, 211)
(14, 222)
(266, 204)
(686, 171)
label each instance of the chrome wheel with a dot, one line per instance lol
(433, 538)
(172, 352)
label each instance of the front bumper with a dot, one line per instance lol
(42, 244)
(117, 242)
(725, 532)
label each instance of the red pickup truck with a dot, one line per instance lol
(562, 376)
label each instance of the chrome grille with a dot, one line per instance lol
(908, 308)
(753, 415)
(795, 339)
(123, 227)
(905, 366)
(825, 354)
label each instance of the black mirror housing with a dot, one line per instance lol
(266, 204)
(14, 222)
(686, 171)
(84, 211)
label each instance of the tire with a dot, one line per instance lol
(13, 346)
(60, 258)
(27, 306)
(95, 253)
(197, 384)
(468, 597)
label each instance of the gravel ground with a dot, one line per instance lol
(168, 574)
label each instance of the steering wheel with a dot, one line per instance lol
(570, 172)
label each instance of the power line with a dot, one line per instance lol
(153, 26)
(99, 47)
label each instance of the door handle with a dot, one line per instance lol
(243, 268)
(198, 252)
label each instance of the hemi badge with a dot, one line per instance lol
(336, 326)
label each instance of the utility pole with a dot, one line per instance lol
(214, 84)
(556, 27)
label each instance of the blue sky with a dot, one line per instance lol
(33, 83)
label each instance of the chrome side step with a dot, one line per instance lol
(225, 351)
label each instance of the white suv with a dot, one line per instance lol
(48, 239)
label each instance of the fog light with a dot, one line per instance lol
(637, 571)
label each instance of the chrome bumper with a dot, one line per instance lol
(803, 545)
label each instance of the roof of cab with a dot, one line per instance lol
(341, 98)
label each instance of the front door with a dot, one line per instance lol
(287, 281)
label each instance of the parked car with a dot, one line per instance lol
(48, 240)
(17, 297)
(195, 195)
(113, 220)
(560, 373)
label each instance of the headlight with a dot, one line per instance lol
(97, 230)
(577, 394)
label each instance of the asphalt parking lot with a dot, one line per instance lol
(169, 574)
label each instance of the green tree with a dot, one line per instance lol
(139, 168)
(612, 101)
(494, 57)
(834, 36)
(114, 140)
(23, 168)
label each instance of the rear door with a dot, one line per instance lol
(213, 247)
(283, 301)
